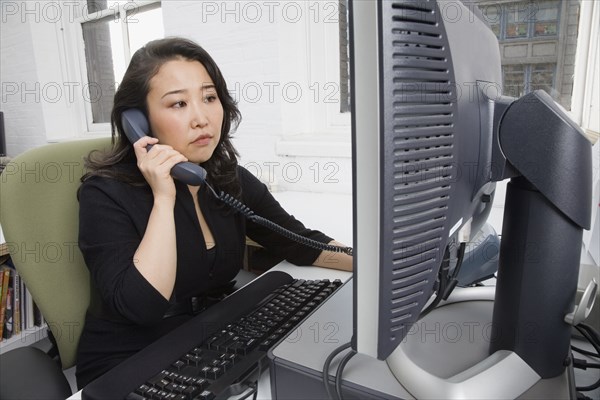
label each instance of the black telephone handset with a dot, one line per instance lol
(136, 127)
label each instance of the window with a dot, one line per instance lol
(541, 77)
(545, 22)
(111, 31)
(516, 20)
(538, 43)
(514, 80)
(529, 21)
(524, 19)
(520, 79)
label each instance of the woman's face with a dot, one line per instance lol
(184, 109)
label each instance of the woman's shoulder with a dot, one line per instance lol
(249, 181)
(253, 189)
(247, 177)
(111, 187)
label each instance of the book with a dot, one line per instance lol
(17, 304)
(29, 317)
(5, 274)
(23, 298)
(8, 314)
(37, 315)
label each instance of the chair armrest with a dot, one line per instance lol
(29, 373)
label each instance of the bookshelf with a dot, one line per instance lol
(24, 338)
(28, 333)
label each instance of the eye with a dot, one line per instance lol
(209, 98)
(179, 104)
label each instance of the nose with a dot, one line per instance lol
(199, 117)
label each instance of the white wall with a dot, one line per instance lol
(21, 102)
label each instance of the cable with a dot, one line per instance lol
(248, 213)
(453, 280)
(443, 280)
(326, 366)
(589, 333)
(584, 352)
(447, 281)
(340, 372)
(592, 336)
(594, 333)
(584, 364)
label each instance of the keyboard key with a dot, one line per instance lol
(142, 390)
(178, 365)
(206, 395)
(191, 391)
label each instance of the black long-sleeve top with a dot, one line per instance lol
(127, 311)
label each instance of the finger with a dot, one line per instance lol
(173, 160)
(162, 161)
(163, 168)
(155, 155)
(139, 147)
(160, 153)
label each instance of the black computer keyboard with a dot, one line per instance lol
(214, 354)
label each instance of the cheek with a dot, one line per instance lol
(165, 128)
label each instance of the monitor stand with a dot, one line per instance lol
(446, 355)
(449, 340)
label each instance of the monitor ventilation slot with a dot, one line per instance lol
(422, 101)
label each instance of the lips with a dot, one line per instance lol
(202, 140)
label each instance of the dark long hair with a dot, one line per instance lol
(132, 92)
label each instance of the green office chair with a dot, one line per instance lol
(39, 217)
(39, 214)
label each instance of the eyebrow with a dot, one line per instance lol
(177, 91)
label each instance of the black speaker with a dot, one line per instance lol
(2, 136)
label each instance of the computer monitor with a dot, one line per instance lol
(431, 134)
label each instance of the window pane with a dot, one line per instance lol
(546, 28)
(546, 18)
(542, 77)
(517, 19)
(106, 57)
(547, 64)
(514, 80)
(100, 70)
(96, 5)
(492, 14)
(496, 30)
(516, 30)
(144, 26)
(546, 11)
(93, 6)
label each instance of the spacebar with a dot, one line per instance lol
(131, 373)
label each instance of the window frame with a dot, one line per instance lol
(530, 20)
(122, 13)
(327, 132)
(527, 75)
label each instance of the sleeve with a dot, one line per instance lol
(108, 239)
(257, 197)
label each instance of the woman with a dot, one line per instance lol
(160, 251)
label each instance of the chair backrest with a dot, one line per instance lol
(39, 215)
